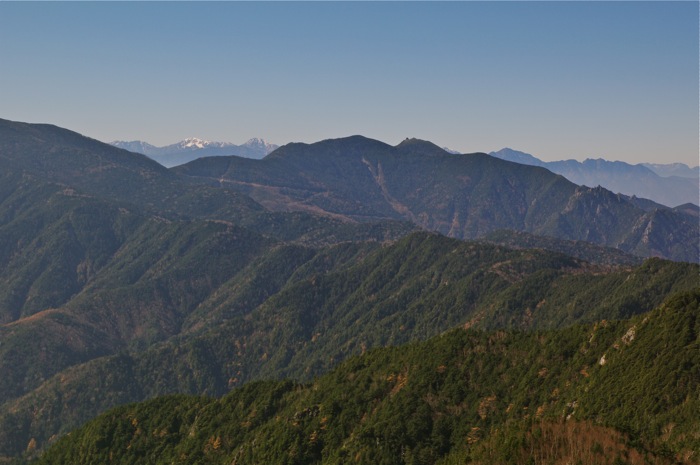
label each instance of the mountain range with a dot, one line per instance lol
(193, 148)
(463, 196)
(123, 281)
(673, 169)
(668, 184)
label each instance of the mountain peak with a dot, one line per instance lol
(133, 145)
(255, 141)
(641, 180)
(350, 146)
(260, 144)
(195, 142)
(192, 148)
(414, 145)
(517, 156)
(413, 141)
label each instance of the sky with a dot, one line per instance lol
(559, 80)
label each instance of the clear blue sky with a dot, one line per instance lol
(617, 80)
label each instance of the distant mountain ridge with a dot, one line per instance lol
(192, 148)
(343, 183)
(673, 169)
(668, 184)
(462, 196)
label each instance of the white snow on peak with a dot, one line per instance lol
(194, 142)
(255, 147)
(258, 143)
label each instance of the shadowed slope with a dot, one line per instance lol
(462, 196)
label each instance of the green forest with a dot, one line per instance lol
(339, 302)
(610, 392)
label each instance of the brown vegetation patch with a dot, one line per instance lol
(569, 442)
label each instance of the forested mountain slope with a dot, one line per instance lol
(55, 155)
(297, 312)
(462, 196)
(121, 281)
(615, 392)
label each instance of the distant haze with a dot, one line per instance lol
(613, 80)
(193, 148)
(668, 184)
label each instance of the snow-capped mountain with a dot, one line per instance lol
(260, 144)
(193, 147)
(638, 180)
(193, 142)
